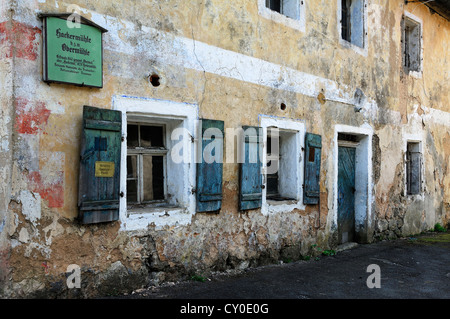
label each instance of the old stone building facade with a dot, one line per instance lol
(357, 89)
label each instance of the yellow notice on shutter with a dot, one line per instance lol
(104, 169)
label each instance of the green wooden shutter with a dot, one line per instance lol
(209, 174)
(250, 177)
(313, 151)
(99, 182)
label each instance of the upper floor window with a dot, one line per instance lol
(289, 8)
(411, 44)
(353, 21)
(288, 12)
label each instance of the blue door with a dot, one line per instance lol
(346, 194)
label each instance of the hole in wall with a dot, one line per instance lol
(283, 106)
(155, 80)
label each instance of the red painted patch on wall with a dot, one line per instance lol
(53, 193)
(31, 116)
(23, 40)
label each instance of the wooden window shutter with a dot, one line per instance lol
(250, 177)
(313, 151)
(99, 181)
(209, 174)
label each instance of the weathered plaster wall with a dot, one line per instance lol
(6, 119)
(236, 65)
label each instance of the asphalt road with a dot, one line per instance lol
(410, 268)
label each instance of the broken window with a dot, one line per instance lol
(281, 181)
(352, 21)
(145, 163)
(413, 168)
(289, 8)
(411, 45)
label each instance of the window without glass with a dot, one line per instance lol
(411, 45)
(281, 182)
(413, 168)
(145, 163)
(352, 21)
(289, 8)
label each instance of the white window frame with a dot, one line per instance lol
(410, 16)
(360, 50)
(175, 114)
(293, 126)
(298, 23)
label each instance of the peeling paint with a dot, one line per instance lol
(31, 206)
(24, 38)
(31, 116)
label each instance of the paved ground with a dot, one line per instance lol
(410, 268)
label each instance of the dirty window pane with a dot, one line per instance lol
(153, 177)
(132, 179)
(132, 191)
(131, 166)
(274, 5)
(151, 136)
(132, 136)
(345, 23)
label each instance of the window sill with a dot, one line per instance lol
(272, 202)
(156, 216)
(297, 24)
(151, 208)
(414, 74)
(356, 48)
(414, 197)
(281, 206)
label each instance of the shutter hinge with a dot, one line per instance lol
(123, 138)
(193, 191)
(192, 138)
(121, 194)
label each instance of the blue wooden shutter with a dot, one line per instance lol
(250, 177)
(99, 181)
(209, 175)
(313, 151)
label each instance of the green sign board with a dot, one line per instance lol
(73, 51)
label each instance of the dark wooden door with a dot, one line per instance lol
(346, 194)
